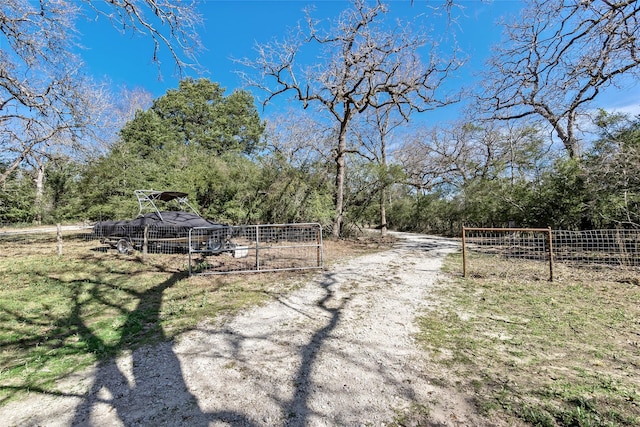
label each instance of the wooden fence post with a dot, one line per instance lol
(464, 253)
(59, 238)
(550, 255)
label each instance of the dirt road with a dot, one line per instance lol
(337, 352)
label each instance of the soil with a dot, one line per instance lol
(339, 351)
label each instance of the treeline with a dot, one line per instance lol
(530, 151)
(238, 169)
(514, 177)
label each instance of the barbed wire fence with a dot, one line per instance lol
(588, 248)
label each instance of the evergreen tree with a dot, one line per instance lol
(192, 139)
(198, 113)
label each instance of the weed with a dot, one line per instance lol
(61, 314)
(415, 415)
(547, 354)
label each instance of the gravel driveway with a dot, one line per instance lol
(337, 352)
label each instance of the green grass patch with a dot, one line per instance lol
(562, 353)
(59, 314)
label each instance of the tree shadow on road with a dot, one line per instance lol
(152, 389)
(147, 385)
(298, 407)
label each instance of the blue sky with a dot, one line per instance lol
(233, 27)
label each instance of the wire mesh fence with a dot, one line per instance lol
(588, 248)
(221, 248)
(47, 240)
(211, 250)
(127, 239)
(255, 248)
(597, 247)
(227, 249)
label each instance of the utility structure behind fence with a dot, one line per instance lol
(612, 247)
(255, 248)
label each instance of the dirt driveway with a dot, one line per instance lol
(337, 352)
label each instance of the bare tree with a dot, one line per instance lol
(113, 109)
(364, 63)
(446, 158)
(44, 97)
(558, 57)
(612, 169)
(296, 169)
(172, 25)
(373, 135)
(298, 138)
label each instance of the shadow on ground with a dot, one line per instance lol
(148, 386)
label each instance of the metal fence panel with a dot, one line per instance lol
(601, 248)
(598, 247)
(44, 240)
(523, 243)
(150, 239)
(255, 248)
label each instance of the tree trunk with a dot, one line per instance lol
(383, 212)
(340, 173)
(39, 194)
(383, 190)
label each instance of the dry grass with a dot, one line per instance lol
(61, 313)
(534, 352)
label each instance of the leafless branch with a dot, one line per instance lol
(45, 100)
(558, 57)
(364, 63)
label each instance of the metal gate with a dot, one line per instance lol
(255, 248)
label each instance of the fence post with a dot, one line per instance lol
(59, 238)
(464, 253)
(257, 247)
(550, 255)
(145, 243)
(318, 248)
(190, 250)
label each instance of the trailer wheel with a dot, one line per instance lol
(214, 244)
(124, 246)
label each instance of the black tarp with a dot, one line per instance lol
(172, 224)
